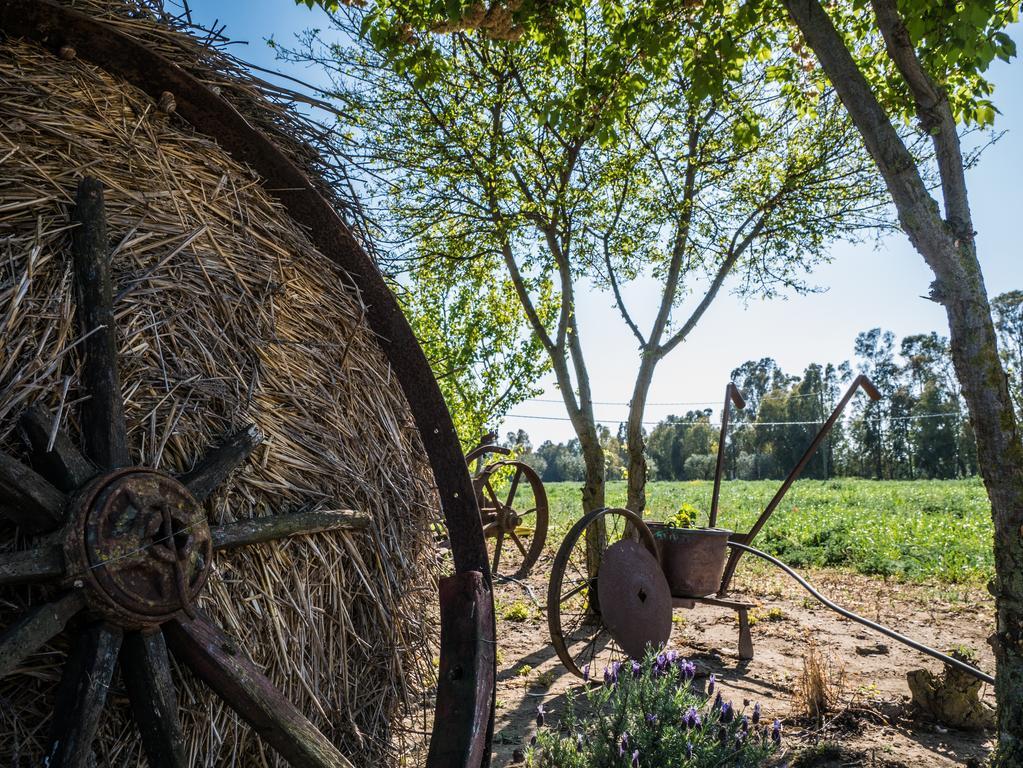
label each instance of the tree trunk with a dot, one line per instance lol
(635, 441)
(949, 248)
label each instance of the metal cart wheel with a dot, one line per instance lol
(523, 505)
(578, 632)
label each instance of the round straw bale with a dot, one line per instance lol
(226, 315)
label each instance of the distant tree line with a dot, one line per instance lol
(919, 429)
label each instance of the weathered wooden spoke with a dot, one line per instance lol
(518, 543)
(31, 565)
(274, 527)
(37, 627)
(221, 663)
(497, 552)
(27, 498)
(81, 696)
(62, 463)
(215, 467)
(514, 487)
(145, 667)
(102, 414)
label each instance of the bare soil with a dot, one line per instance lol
(874, 722)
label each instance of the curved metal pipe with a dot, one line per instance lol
(960, 665)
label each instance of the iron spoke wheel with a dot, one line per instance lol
(135, 550)
(578, 634)
(524, 506)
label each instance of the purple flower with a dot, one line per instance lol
(722, 734)
(691, 719)
(745, 703)
(637, 669)
(776, 732)
(611, 673)
(744, 724)
(727, 712)
(586, 673)
(689, 750)
(623, 744)
(687, 669)
(579, 742)
(710, 684)
(717, 701)
(532, 741)
(635, 758)
(756, 713)
(651, 718)
(539, 716)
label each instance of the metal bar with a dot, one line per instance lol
(917, 646)
(732, 395)
(746, 538)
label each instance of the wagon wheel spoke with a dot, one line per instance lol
(274, 527)
(518, 543)
(27, 499)
(218, 463)
(583, 584)
(145, 667)
(35, 628)
(497, 552)
(217, 659)
(31, 565)
(104, 433)
(81, 695)
(61, 463)
(514, 486)
(493, 495)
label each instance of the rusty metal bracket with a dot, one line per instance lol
(54, 25)
(467, 672)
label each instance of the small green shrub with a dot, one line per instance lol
(647, 715)
(517, 611)
(685, 517)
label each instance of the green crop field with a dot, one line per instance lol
(914, 530)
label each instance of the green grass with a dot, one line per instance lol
(912, 530)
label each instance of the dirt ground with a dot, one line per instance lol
(874, 722)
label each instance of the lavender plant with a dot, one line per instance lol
(648, 715)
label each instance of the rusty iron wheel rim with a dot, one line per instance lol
(502, 516)
(570, 582)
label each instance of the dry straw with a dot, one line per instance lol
(226, 315)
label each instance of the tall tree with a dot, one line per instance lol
(496, 153)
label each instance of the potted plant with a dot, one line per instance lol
(692, 558)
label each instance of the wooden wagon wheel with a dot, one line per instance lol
(578, 632)
(126, 550)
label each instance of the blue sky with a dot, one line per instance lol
(866, 285)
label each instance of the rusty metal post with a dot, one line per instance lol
(746, 538)
(732, 395)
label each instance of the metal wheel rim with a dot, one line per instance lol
(540, 511)
(556, 595)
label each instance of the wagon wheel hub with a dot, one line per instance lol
(139, 544)
(508, 519)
